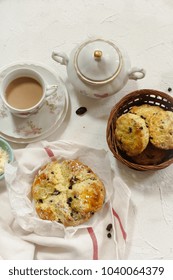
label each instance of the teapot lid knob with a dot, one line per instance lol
(97, 54)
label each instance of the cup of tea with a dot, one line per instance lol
(24, 91)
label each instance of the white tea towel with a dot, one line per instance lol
(51, 239)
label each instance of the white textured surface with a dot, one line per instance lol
(31, 30)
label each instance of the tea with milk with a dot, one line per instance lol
(23, 93)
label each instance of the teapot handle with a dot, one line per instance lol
(60, 57)
(136, 73)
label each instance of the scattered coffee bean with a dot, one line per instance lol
(109, 235)
(109, 227)
(81, 110)
(169, 89)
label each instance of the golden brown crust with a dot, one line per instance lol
(150, 156)
(68, 192)
(145, 111)
(131, 134)
(161, 130)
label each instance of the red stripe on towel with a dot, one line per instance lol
(95, 244)
(121, 226)
(49, 152)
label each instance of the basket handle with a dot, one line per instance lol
(136, 73)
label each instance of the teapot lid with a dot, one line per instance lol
(98, 61)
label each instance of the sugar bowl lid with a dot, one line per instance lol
(98, 61)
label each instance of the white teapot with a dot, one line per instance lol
(98, 68)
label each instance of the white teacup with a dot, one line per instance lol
(24, 91)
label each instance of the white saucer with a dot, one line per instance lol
(44, 122)
(39, 138)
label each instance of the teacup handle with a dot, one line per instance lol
(51, 89)
(136, 73)
(60, 57)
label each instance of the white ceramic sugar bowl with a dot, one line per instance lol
(98, 68)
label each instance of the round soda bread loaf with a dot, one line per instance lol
(145, 111)
(68, 192)
(132, 134)
(161, 130)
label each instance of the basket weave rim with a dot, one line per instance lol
(143, 92)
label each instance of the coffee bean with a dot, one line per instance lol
(109, 227)
(81, 110)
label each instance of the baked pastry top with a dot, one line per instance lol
(132, 134)
(68, 192)
(145, 111)
(161, 130)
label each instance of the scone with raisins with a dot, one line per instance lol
(68, 192)
(131, 133)
(145, 111)
(161, 130)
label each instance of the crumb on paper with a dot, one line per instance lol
(3, 159)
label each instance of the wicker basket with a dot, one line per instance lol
(137, 98)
